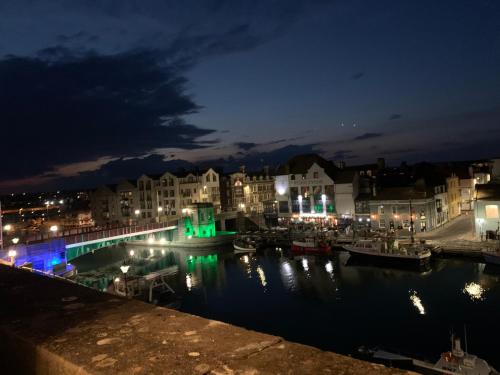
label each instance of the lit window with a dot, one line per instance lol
(491, 211)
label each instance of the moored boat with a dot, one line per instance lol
(456, 361)
(390, 251)
(310, 246)
(242, 246)
(491, 257)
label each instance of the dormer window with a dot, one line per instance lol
(315, 175)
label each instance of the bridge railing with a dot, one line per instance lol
(114, 232)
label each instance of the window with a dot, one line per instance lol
(208, 177)
(382, 223)
(315, 175)
(491, 211)
(214, 178)
(381, 210)
(141, 185)
(292, 177)
(172, 193)
(171, 182)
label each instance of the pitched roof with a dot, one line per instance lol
(300, 164)
(399, 193)
(488, 192)
(345, 176)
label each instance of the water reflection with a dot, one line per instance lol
(417, 302)
(340, 304)
(262, 276)
(475, 291)
(288, 276)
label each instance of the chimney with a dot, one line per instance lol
(266, 170)
(380, 163)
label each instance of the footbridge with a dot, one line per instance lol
(53, 255)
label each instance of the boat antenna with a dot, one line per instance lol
(411, 223)
(465, 338)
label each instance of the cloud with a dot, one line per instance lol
(357, 76)
(395, 116)
(245, 145)
(62, 109)
(367, 136)
(343, 154)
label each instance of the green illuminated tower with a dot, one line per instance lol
(199, 220)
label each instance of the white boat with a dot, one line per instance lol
(241, 246)
(491, 256)
(454, 362)
(385, 250)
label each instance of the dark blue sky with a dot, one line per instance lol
(118, 87)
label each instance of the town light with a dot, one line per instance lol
(160, 209)
(323, 198)
(137, 212)
(7, 227)
(131, 252)
(124, 269)
(15, 240)
(61, 201)
(12, 254)
(53, 228)
(300, 198)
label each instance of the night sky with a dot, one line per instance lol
(94, 91)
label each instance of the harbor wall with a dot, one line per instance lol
(52, 326)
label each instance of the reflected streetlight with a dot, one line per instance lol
(124, 270)
(12, 255)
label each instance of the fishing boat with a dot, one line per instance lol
(310, 246)
(456, 361)
(244, 246)
(390, 251)
(491, 256)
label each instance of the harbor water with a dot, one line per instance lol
(334, 303)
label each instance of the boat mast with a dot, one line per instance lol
(411, 223)
(465, 338)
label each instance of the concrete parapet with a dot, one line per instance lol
(51, 326)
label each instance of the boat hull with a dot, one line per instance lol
(240, 249)
(387, 257)
(491, 258)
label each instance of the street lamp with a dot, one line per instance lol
(124, 270)
(131, 252)
(12, 254)
(53, 229)
(15, 240)
(7, 227)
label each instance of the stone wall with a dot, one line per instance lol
(52, 326)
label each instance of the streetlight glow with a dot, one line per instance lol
(131, 252)
(12, 253)
(15, 240)
(7, 227)
(53, 228)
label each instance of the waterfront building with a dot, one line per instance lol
(390, 209)
(248, 192)
(346, 191)
(154, 198)
(200, 187)
(454, 196)
(441, 199)
(115, 204)
(305, 188)
(486, 211)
